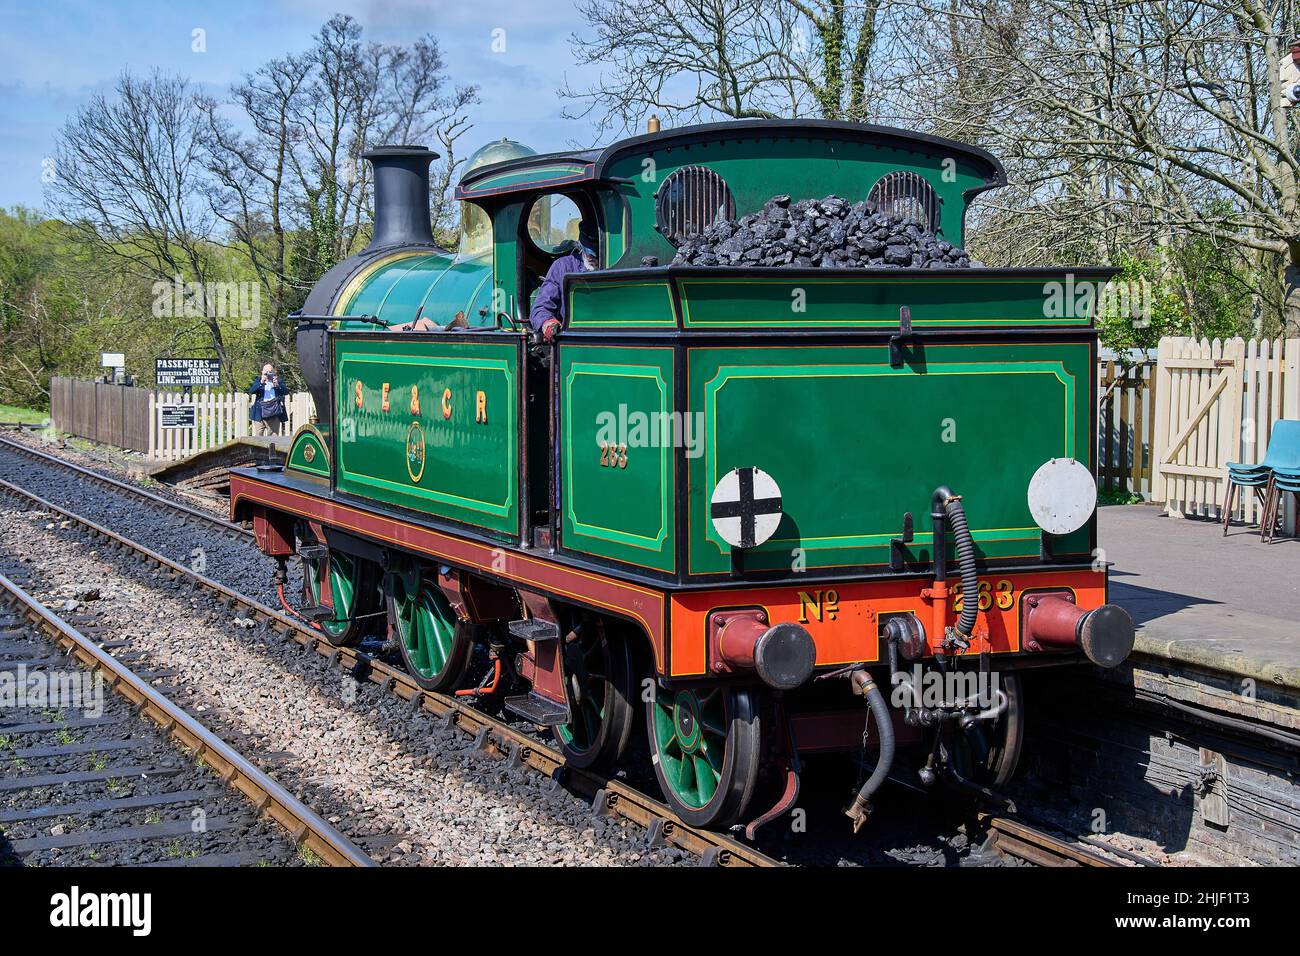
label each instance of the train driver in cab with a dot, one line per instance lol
(549, 306)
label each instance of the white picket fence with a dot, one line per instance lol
(1217, 402)
(219, 417)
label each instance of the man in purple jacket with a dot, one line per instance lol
(549, 306)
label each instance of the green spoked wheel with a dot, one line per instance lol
(435, 648)
(598, 682)
(705, 744)
(352, 592)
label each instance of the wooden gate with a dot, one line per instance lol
(1198, 425)
(1216, 402)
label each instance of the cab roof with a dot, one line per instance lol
(566, 168)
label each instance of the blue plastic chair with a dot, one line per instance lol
(1282, 482)
(1277, 474)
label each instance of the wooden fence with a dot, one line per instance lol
(110, 414)
(1125, 426)
(131, 417)
(1166, 428)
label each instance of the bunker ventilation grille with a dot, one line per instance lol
(690, 200)
(907, 196)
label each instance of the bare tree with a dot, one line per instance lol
(690, 60)
(128, 178)
(1137, 121)
(290, 185)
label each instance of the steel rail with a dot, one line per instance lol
(303, 824)
(609, 796)
(1019, 839)
(197, 514)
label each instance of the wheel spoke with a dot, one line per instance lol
(687, 778)
(714, 729)
(712, 751)
(420, 640)
(706, 778)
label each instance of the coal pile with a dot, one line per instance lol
(830, 233)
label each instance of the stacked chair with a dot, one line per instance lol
(1277, 474)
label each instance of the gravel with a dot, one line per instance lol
(829, 233)
(396, 782)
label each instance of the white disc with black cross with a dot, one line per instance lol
(746, 507)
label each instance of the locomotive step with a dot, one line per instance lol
(538, 710)
(313, 552)
(318, 612)
(535, 630)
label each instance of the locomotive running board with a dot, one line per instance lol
(288, 494)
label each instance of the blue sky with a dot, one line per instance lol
(55, 54)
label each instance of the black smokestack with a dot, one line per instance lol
(401, 195)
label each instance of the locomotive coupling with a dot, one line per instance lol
(783, 654)
(1105, 634)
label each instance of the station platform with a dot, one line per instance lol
(209, 470)
(1228, 606)
(1218, 618)
(1187, 753)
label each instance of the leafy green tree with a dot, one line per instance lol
(1191, 291)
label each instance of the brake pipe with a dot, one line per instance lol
(279, 590)
(483, 689)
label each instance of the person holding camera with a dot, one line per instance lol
(268, 411)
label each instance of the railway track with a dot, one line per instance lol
(187, 513)
(611, 797)
(1017, 839)
(47, 810)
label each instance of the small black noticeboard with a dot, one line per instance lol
(176, 416)
(187, 372)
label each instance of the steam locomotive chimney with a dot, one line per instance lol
(401, 195)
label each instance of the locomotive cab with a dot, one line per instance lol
(782, 492)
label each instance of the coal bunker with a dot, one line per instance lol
(830, 233)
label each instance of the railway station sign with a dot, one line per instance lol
(177, 416)
(112, 360)
(187, 372)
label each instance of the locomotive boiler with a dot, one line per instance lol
(755, 511)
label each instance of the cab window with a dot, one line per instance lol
(553, 223)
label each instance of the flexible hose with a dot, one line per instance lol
(279, 589)
(885, 761)
(965, 547)
(484, 689)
